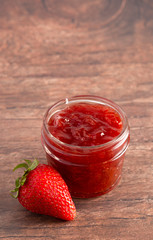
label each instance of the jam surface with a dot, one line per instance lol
(85, 124)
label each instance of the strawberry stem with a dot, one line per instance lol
(29, 166)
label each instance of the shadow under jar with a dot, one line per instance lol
(85, 138)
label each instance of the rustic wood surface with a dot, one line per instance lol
(55, 49)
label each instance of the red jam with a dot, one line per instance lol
(85, 139)
(85, 124)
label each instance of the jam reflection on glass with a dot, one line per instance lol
(85, 139)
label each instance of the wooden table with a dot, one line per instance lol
(55, 49)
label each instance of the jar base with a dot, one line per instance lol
(97, 194)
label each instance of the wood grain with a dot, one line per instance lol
(55, 49)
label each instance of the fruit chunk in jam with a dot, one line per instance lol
(84, 124)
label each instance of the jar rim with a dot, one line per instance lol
(96, 99)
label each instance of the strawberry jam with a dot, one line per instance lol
(85, 124)
(85, 139)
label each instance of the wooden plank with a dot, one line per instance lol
(50, 50)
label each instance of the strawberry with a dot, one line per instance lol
(42, 190)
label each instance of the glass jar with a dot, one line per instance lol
(89, 171)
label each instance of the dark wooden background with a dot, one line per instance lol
(55, 49)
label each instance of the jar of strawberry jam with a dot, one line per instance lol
(85, 138)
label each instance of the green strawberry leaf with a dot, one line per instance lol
(34, 164)
(29, 166)
(14, 190)
(29, 162)
(23, 179)
(21, 165)
(15, 195)
(17, 182)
